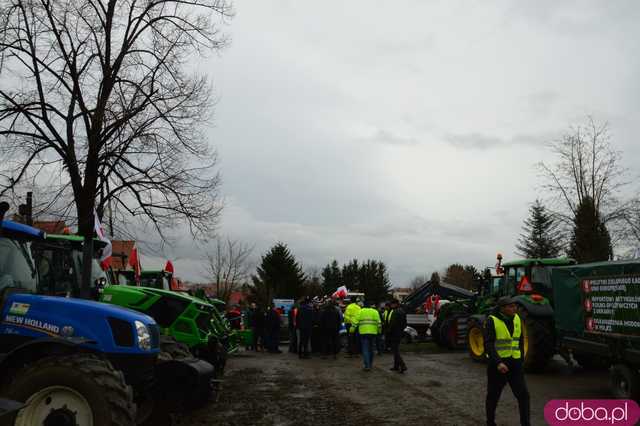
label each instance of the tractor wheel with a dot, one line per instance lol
(539, 343)
(625, 382)
(79, 389)
(475, 341)
(449, 333)
(591, 362)
(170, 349)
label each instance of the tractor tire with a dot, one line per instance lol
(591, 362)
(539, 343)
(475, 341)
(625, 382)
(170, 349)
(449, 333)
(73, 389)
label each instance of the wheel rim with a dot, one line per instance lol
(56, 406)
(476, 342)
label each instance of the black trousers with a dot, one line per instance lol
(305, 335)
(496, 381)
(331, 342)
(293, 340)
(398, 362)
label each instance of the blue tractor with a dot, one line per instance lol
(72, 362)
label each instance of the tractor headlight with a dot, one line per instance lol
(144, 337)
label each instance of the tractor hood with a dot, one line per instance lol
(138, 295)
(103, 327)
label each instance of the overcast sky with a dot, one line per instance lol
(408, 131)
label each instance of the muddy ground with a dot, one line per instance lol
(440, 388)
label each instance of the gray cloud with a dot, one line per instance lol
(388, 138)
(478, 141)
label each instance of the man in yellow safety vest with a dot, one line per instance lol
(350, 315)
(503, 340)
(368, 325)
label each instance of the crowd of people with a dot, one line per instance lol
(327, 326)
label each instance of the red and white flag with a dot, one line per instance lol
(134, 262)
(340, 293)
(105, 255)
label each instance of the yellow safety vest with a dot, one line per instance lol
(367, 321)
(351, 313)
(387, 316)
(507, 345)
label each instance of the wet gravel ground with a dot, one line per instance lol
(440, 388)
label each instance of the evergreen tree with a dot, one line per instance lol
(350, 275)
(279, 275)
(590, 241)
(331, 277)
(462, 276)
(373, 281)
(435, 277)
(540, 237)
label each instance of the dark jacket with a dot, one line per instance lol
(330, 319)
(397, 324)
(259, 319)
(490, 337)
(272, 322)
(305, 317)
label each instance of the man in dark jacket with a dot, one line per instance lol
(272, 330)
(305, 325)
(397, 322)
(330, 323)
(504, 343)
(258, 329)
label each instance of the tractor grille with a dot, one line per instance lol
(122, 331)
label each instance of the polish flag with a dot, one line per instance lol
(105, 255)
(134, 262)
(340, 293)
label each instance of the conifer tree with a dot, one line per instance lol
(331, 277)
(540, 238)
(279, 275)
(590, 241)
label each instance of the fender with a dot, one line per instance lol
(479, 318)
(540, 310)
(40, 348)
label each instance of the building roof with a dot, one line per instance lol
(121, 251)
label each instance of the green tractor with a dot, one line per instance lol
(163, 280)
(529, 282)
(185, 322)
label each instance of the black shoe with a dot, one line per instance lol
(394, 369)
(402, 370)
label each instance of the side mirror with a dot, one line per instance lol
(100, 284)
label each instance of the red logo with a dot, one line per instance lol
(588, 305)
(589, 324)
(586, 286)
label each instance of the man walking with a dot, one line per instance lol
(503, 341)
(330, 323)
(349, 316)
(367, 323)
(397, 322)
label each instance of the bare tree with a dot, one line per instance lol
(417, 281)
(587, 166)
(228, 266)
(97, 90)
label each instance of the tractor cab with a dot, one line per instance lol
(531, 278)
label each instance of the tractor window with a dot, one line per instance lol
(514, 275)
(496, 283)
(541, 275)
(16, 265)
